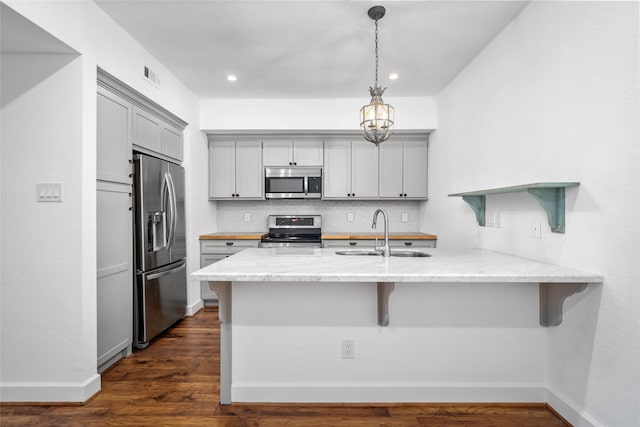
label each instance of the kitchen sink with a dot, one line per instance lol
(393, 253)
(358, 252)
(409, 254)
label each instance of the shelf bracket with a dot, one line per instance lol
(552, 201)
(384, 291)
(552, 297)
(478, 204)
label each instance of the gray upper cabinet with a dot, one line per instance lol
(114, 137)
(146, 130)
(171, 142)
(235, 170)
(153, 134)
(403, 170)
(350, 170)
(292, 153)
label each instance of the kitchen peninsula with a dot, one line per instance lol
(290, 311)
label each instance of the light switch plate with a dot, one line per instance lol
(49, 192)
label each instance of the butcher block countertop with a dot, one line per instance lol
(346, 235)
(249, 235)
(371, 236)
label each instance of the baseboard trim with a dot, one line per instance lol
(388, 392)
(50, 392)
(194, 308)
(569, 410)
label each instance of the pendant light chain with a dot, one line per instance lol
(376, 52)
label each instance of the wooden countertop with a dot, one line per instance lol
(249, 235)
(372, 236)
(257, 235)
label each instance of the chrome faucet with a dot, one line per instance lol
(385, 249)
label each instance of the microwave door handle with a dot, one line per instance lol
(306, 185)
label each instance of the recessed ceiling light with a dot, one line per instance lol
(232, 78)
(393, 76)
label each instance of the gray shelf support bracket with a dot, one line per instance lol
(223, 290)
(552, 201)
(478, 204)
(552, 297)
(384, 291)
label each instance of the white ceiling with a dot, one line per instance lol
(311, 49)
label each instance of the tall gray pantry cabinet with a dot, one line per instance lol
(114, 228)
(126, 121)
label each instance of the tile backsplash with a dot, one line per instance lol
(231, 214)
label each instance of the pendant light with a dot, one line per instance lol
(376, 118)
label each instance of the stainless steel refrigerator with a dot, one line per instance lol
(160, 296)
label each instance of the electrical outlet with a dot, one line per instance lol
(536, 232)
(404, 217)
(247, 217)
(348, 349)
(349, 216)
(489, 219)
(497, 220)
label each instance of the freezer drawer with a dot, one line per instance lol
(161, 300)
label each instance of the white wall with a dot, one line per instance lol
(43, 328)
(555, 98)
(412, 113)
(101, 43)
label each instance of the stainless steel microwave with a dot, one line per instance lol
(293, 183)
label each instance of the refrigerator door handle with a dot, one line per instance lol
(166, 272)
(167, 204)
(173, 205)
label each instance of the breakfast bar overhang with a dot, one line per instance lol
(263, 267)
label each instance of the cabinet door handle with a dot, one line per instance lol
(353, 243)
(229, 243)
(405, 194)
(408, 243)
(290, 163)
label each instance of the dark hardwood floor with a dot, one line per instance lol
(175, 383)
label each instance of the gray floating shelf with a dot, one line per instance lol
(550, 195)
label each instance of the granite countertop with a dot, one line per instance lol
(445, 265)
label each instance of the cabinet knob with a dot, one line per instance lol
(290, 163)
(405, 194)
(400, 194)
(295, 163)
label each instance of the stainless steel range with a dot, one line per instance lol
(293, 231)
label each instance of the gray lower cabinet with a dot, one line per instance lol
(369, 243)
(215, 250)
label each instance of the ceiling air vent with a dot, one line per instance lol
(151, 77)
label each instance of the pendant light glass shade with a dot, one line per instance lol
(376, 118)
